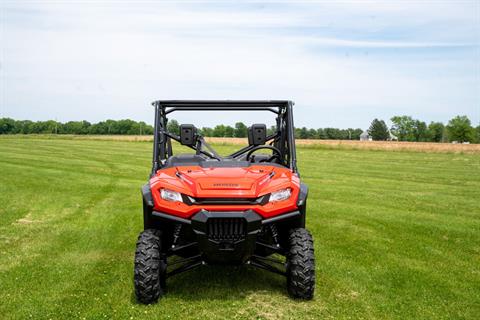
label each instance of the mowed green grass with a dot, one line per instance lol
(397, 236)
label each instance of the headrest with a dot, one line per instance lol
(257, 134)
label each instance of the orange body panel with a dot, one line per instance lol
(238, 182)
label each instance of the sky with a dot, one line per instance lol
(342, 63)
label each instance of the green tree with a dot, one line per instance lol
(25, 126)
(145, 129)
(332, 133)
(344, 134)
(71, 127)
(312, 134)
(303, 133)
(52, 126)
(37, 127)
(173, 127)
(43, 127)
(229, 132)
(99, 128)
(403, 128)
(420, 131)
(460, 129)
(240, 130)
(7, 125)
(321, 134)
(112, 127)
(136, 128)
(355, 133)
(378, 130)
(206, 132)
(219, 131)
(329, 133)
(477, 134)
(148, 129)
(435, 131)
(125, 126)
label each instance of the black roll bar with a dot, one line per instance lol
(155, 163)
(283, 109)
(291, 138)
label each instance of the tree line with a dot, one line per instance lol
(131, 127)
(124, 127)
(240, 130)
(404, 128)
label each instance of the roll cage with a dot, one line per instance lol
(282, 138)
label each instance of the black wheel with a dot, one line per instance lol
(300, 264)
(149, 273)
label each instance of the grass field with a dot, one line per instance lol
(397, 236)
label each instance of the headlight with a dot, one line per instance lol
(280, 195)
(170, 195)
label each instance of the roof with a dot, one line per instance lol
(222, 103)
(274, 106)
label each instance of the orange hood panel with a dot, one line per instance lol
(242, 182)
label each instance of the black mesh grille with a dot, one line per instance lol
(226, 229)
(222, 201)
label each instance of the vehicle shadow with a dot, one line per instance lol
(222, 283)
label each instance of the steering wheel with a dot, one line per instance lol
(276, 153)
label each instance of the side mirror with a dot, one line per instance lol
(188, 135)
(257, 134)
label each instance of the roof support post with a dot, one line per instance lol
(155, 163)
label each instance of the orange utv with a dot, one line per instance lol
(247, 208)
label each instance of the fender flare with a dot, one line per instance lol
(303, 194)
(147, 195)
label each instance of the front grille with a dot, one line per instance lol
(226, 229)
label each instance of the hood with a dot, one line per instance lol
(248, 182)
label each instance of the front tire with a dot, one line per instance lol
(300, 264)
(149, 270)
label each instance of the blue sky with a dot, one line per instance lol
(343, 63)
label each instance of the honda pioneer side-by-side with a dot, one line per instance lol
(202, 208)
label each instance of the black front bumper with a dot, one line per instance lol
(226, 236)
